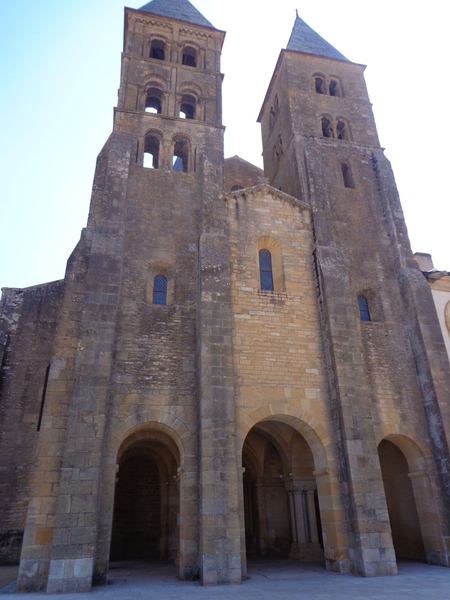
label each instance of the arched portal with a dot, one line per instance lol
(280, 494)
(403, 515)
(146, 517)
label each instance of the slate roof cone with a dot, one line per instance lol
(182, 10)
(305, 39)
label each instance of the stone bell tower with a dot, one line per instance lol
(321, 146)
(135, 335)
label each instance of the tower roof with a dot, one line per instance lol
(182, 10)
(305, 39)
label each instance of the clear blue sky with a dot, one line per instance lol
(60, 64)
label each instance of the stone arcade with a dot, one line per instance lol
(237, 362)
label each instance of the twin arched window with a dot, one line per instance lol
(151, 155)
(333, 88)
(158, 51)
(339, 130)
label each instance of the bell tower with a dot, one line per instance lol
(128, 349)
(320, 145)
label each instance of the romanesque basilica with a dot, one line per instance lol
(237, 362)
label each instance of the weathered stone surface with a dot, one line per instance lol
(175, 396)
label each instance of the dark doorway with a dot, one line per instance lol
(146, 518)
(401, 504)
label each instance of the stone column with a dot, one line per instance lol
(305, 536)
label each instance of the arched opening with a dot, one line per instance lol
(342, 130)
(153, 101)
(327, 128)
(180, 155)
(335, 88)
(158, 50)
(280, 495)
(403, 516)
(187, 107)
(320, 85)
(189, 57)
(151, 152)
(146, 519)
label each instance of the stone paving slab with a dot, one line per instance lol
(281, 580)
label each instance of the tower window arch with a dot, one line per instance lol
(153, 100)
(189, 57)
(188, 107)
(160, 290)
(180, 161)
(319, 83)
(265, 270)
(342, 130)
(151, 152)
(158, 49)
(335, 88)
(327, 127)
(363, 305)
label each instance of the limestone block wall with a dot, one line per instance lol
(278, 360)
(28, 320)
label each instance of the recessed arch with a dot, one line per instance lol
(326, 123)
(281, 483)
(320, 85)
(314, 433)
(158, 49)
(189, 56)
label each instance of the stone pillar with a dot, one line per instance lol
(305, 545)
(311, 512)
(220, 536)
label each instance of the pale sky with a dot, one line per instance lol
(60, 64)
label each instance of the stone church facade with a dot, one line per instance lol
(237, 362)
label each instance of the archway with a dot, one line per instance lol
(403, 515)
(146, 518)
(280, 494)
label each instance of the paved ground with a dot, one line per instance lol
(275, 580)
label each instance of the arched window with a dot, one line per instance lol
(342, 130)
(158, 50)
(180, 160)
(363, 306)
(265, 270)
(153, 101)
(335, 88)
(151, 152)
(347, 175)
(327, 128)
(187, 107)
(160, 290)
(320, 85)
(189, 57)
(236, 188)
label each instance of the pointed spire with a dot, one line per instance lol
(182, 10)
(305, 39)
